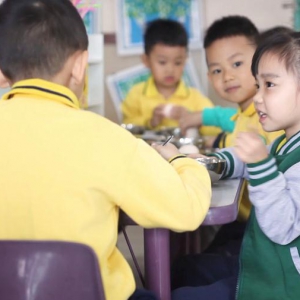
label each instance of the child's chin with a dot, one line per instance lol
(270, 128)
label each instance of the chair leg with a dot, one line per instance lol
(133, 256)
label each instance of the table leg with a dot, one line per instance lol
(157, 262)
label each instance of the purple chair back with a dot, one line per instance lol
(49, 270)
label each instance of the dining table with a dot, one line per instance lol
(223, 209)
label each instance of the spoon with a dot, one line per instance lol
(167, 140)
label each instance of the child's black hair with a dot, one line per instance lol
(38, 36)
(274, 30)
(285, 45)
(231, 26)
(166, 32)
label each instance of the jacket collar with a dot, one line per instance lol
(249, 111)
(43, 89)
(150, 89)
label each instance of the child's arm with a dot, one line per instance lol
(157, 195)
(220, 117)
(235, 168)
(276, 199)
(211, 116)
(275, 195)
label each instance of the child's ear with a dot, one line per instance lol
(79, 66)
(4, 83)
(145, 60)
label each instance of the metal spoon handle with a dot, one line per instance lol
(167, 140)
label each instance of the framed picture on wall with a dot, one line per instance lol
(133, 15)
(120, 83)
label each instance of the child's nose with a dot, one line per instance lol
(227, 75)
(258, 97)
(170, 68)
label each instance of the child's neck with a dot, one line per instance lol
(245, 104)
(166, 92)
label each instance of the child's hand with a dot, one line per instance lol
(188, 120)
(157, 116)
(178, 112)
(168, 151)
(250, 147)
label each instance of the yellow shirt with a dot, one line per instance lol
(144, 97)
(64, 174)
(247, 120)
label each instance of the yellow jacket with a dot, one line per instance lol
(144, 97)
(247, 120)
(65, 173)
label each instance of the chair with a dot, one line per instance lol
(49, 270)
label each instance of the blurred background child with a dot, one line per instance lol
(222, 116)
(164, 98)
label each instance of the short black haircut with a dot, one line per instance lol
(38, 36)
(231, 26)
(286, 46)
(166, 32)
(274, 30)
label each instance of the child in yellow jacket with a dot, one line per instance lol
(66, 173)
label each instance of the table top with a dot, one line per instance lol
(224, 192)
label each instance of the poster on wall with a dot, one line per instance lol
(89, 12)
(133, 15)
(120, 83)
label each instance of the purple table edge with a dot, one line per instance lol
(157, 246)
(224, 214)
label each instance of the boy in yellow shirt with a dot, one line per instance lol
(229, 46)
(164, 97)
(65, 173)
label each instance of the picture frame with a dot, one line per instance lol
(133, 15)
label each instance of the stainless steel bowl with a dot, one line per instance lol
(179, 142)
(215, 167)
(167, 131)
(134, 129)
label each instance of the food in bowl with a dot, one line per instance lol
(189, 149)
(183, 141)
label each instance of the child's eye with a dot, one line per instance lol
(216, 71)
(178, 63)
(269, 84)
(257, 86)
(237, 64)
(162, 62)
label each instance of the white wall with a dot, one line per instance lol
(264, 13)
